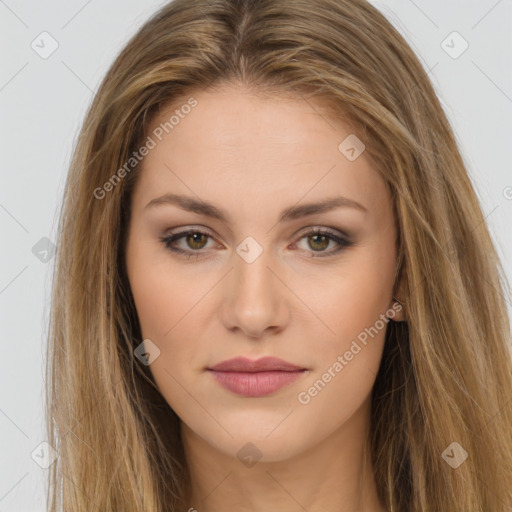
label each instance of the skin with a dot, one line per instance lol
(253, 157)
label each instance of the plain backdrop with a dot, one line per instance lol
(42, 104)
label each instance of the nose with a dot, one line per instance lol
(255, 300)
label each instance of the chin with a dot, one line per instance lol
(253, 437)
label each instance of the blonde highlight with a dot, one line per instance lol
(445, 374)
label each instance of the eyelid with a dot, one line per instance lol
(195, 228)
(342, 240)
(303, 231)
(324, 229)
(339, 237)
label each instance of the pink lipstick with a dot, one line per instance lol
(255, 378)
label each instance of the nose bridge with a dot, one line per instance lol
(252, 276)
(251, 262)
(255, 301)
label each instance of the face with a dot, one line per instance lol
(257, 272)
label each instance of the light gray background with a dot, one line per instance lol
(42, 103)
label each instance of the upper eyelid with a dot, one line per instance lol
(315, 229)
(304, 230)
(342, 240)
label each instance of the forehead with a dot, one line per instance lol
(232, 142)
(234, 117)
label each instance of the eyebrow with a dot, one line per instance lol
(292, 213)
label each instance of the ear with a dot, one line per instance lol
(397, 311)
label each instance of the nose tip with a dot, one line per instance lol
(254, 302)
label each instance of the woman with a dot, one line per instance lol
(275, 288)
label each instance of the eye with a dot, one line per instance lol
(195, 240)
(318, 240)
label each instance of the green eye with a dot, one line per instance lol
(321, 244)
(193, 239)
(318, 240)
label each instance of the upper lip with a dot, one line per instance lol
(264, 364)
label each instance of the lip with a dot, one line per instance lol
(264, 364)
(255, 378)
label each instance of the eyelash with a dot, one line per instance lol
(343, 243)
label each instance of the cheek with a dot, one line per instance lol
(156, 300)
(353, 309)
(170, 311)
(346, 363)
(160, 295)
(163, 303)
(353, 300)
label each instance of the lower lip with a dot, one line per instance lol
(257, 383)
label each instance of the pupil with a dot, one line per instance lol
(324, 240)
(195, 238)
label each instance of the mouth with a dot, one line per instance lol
(255, 378)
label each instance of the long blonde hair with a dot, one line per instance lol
(446, 374)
